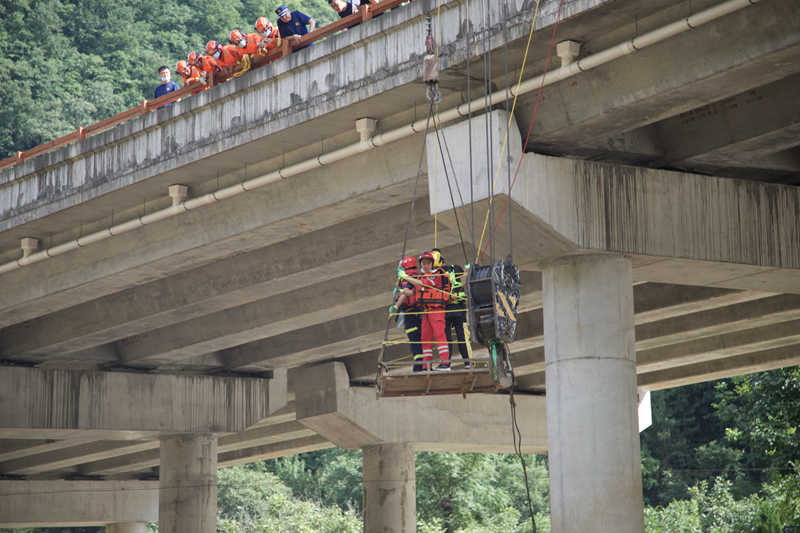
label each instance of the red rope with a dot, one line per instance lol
(530, 128)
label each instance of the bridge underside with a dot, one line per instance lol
(300, 272)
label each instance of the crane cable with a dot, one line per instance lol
(530, 128)
(513, 107)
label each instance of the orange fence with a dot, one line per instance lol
(365, 13)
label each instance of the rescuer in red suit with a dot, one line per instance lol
(432, 293)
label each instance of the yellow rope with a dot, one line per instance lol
(510, 117)
(245, 66)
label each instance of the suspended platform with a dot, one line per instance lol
(397, 379)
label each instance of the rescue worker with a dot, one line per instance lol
(226, 56)
(248, 44)
(271, 37)
(412, 313)
(189, 75)
(456, 309)
(432, 292)
(206, 65)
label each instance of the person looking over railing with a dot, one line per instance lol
(294, 24)
(226, 56)
(205, 64)
(166, 85)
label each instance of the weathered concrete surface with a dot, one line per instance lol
(76, 503)
(351, 417)
(594, 458)
(187, 483)
(58, 403)
(127, 527)
(288, 209)
(390, 488)
(238, 116)
(666, 79)
(684, 228)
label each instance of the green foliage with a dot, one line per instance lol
(712, 508)
(70, 63)
(764, 408)
(250, 501)
(331, 477)
(687, 444)
(476, 492)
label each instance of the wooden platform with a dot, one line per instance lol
(399, 382)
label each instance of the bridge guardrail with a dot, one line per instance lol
(366, 12)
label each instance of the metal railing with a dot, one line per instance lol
(365, 13)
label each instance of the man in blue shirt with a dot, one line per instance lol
(167, 86)
(292, 25)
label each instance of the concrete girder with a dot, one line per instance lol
(747, 339)
(279, 268)
(336, 337)
(352, 417)
(278, 449)
(76, 503)
(679, 228)
(237, 443)
(305, 307)
(668, 78)
(312, 201)
(16, 448)
(714, 322)
(735, 130)
(67, 457)
(58, 404)
(737, 365)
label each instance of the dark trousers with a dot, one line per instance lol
(413, 324)
(456, 316)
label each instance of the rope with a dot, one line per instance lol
(436, 128)
(408, 227)
(516, 435)
(530, 127)
(513, 107)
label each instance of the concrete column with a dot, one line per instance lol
(390, 491)
(590, 358)
(127, 527)
(187, 497)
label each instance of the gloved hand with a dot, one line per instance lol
(203, 79)
(392, 310)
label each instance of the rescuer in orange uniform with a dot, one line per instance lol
(205, 64)
(270, 36)
(189, 75)
(226, 56)
(407, 304)
(432, 293)
(247, 44)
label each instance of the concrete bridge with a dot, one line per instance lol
(207, 285)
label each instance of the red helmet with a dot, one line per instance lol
(182, 68)
(263, 25)
(408, 263)
(427, 255)
(212, 47)
(236, 36)
(194, 58)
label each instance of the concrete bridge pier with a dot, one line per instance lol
(187, 498)
(590, 367)
(127, 527)
(390, 490)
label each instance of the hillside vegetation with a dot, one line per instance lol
(72, 63)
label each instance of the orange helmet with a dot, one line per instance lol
(211, 47)
(194, 58)
(263, 25)
(409, 263)
(236, 36)
(182, 68)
